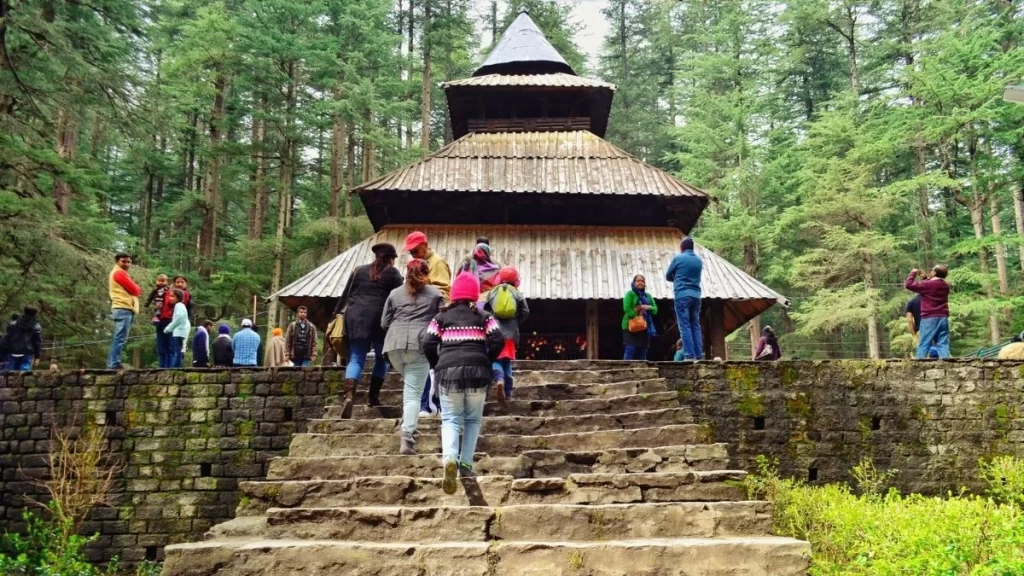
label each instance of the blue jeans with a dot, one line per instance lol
(415, 370)
(461, 413)
(304, 363)
(20, 363)
(634, 353)
(164, 345)
(122, 327)
(177, 355)
(429, 402)
(688, 318)
(934, 331)
(502, 369)
(357, 351)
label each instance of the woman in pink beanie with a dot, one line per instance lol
(460, 344)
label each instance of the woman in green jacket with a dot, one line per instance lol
(637, 303)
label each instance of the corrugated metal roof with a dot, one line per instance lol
(576, 162)
(523, 42)
(560, 263)
(559, 79)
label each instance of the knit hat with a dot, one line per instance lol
(277, 332)
(413, 240)
(485, 248)
(465, 287)
(687, 244)
(224, 329)
(509, 275)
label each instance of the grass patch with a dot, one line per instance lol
(868, 531)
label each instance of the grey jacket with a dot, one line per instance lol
(510, 327)
(406, 319)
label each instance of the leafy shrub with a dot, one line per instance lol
(892, 534)
(1005, 478)
(50, 548)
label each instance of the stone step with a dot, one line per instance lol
(614, 405)
(530, 464)
(722, 485)
(332, 445)
(392, 395)
(559, 522)
(516, 425)
(739, 556)
(535, 373)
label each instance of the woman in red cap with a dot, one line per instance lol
(461, 343)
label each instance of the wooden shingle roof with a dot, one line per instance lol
(576, 162)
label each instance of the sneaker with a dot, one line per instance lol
(466, 470)
(425, 414)
(448, 482)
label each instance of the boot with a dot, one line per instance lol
(374, 397)
(350, 393)
(408, 446)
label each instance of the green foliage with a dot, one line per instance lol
(846, 143)
(49, 548)
(890, 534)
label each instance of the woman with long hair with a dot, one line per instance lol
(407, 313)
(367, 290)
(638, 310)
(461, 343)
(768, 346)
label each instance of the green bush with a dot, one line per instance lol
(891, 534)
(49, 548)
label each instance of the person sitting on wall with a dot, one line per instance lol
(768, 349)
(1014, 350)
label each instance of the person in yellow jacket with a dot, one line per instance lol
(124, 305)
(440, 274)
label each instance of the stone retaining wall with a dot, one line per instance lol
(187, 438)
(932, 421)
(184, 439)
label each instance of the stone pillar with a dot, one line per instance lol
(592, 330)
(717, 326)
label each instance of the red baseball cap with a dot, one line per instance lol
(414, 239)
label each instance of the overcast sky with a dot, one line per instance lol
(588, 12)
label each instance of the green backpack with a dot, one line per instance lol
(505, 306)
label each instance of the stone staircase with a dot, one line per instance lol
(598, 470)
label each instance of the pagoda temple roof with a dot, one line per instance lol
(523, 48)
(554, 263)
(576, 162)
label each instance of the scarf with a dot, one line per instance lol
(645, 301)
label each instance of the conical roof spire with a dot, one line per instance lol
(523, 49)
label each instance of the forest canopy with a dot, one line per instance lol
(845, 141)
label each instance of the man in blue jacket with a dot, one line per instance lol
(684, 273)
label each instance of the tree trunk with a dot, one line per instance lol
(190, 157)
(977, 222)
(851, 50)
(1000, 252)
(260, 193)
(1018, 212)
(284, 204)
(368, 148)
(874, 351)
(337, 178)
(924, 211)
(67, 149)
(211, 189)
(750, 266)
(412, 46)
(350, 177)
(147, 211)
(494, 22)
(425, 111)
